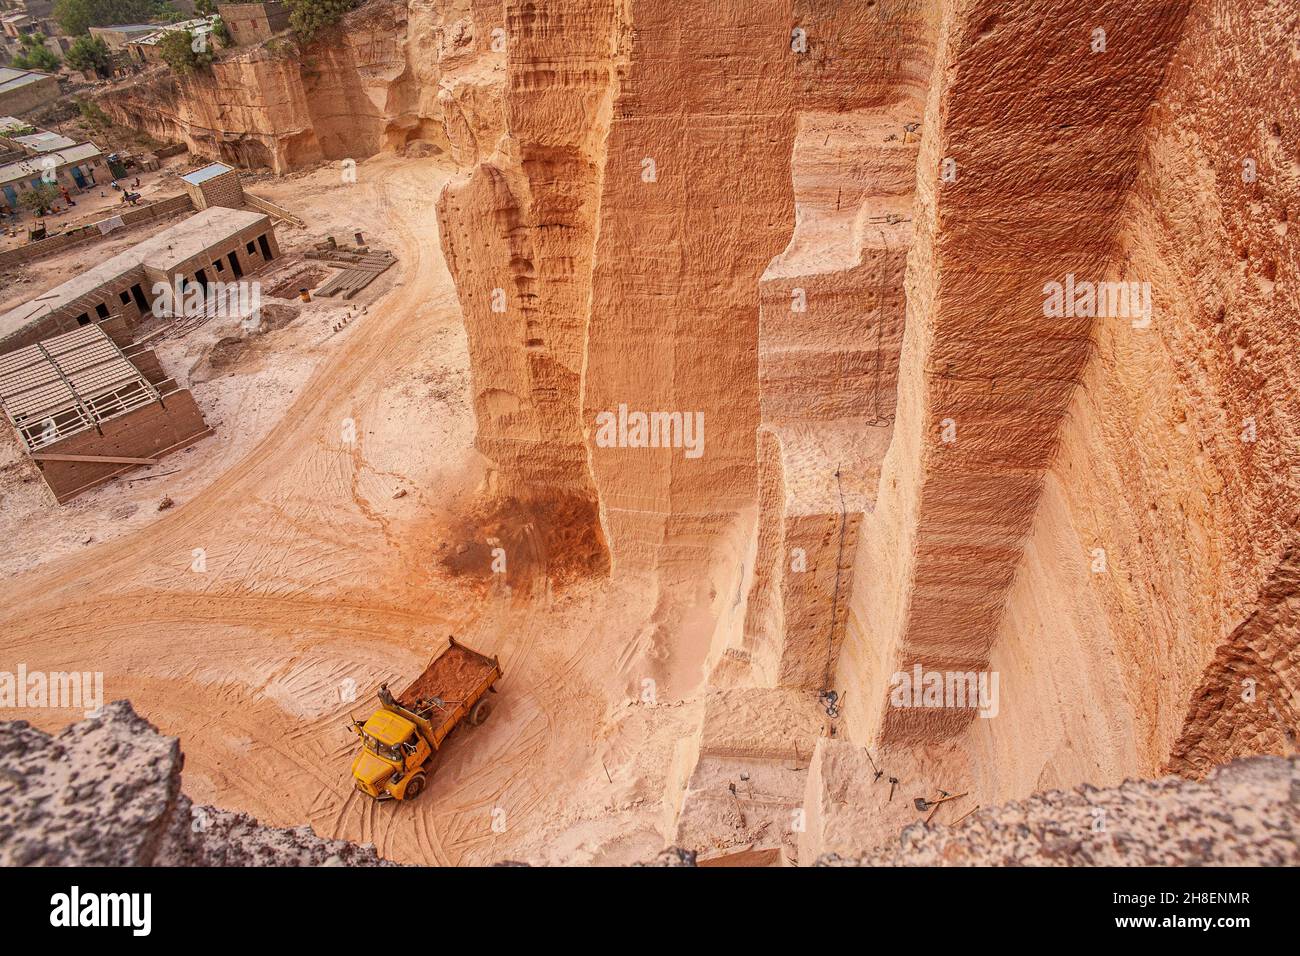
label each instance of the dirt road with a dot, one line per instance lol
(250, 620)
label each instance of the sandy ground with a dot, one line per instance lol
(296, 570)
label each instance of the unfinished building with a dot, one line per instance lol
(216, 245)
(87, 410)
(214, 185)
(251, 23)
(117, 36)
(148, 48)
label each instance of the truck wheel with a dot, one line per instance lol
(414, 787)
(480, 712)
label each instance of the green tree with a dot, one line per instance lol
(166, 13)
(93, 114)
(90, 53)
(205, 8)
(221, 32)
(40, 199)
(307, 18)
(177, 50)
(34, 55)
(77, 16)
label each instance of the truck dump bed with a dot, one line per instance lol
(458, 677)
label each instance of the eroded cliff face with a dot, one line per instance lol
(518, 232)
(392, 73)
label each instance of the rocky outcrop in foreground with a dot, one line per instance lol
(107, 792)
(1246, 813)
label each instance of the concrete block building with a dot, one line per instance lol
(59, 45)
(251, 23)
(22, 91)
(118, 36)
(86, 409)
(75, 168)
(41, 141)
(16, 24)
(215, 245)
(214, 185)
(145, 49)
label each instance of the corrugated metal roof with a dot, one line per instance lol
(206, 173)
(32, 166)
(44, 141)
(128, 27)
(198, 27)
(11, 79)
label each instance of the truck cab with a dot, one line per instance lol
(393, 751)
(401, 738)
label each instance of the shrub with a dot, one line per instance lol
(93, 114)
(90, 53)
(35, 56)
(177, 50)
(307, 18)
(77, 16)
(40, 199)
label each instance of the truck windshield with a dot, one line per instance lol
(382, 749)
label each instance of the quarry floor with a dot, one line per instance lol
(295, 570)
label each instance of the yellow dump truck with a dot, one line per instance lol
(400, 739)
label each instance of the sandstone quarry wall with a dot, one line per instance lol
(831, 320)
(626, 272)
(374, 83)
(518, 234)
(1154, 620)
(1137, 597)
(657, 145)
(696, 200)
(1042, 173)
